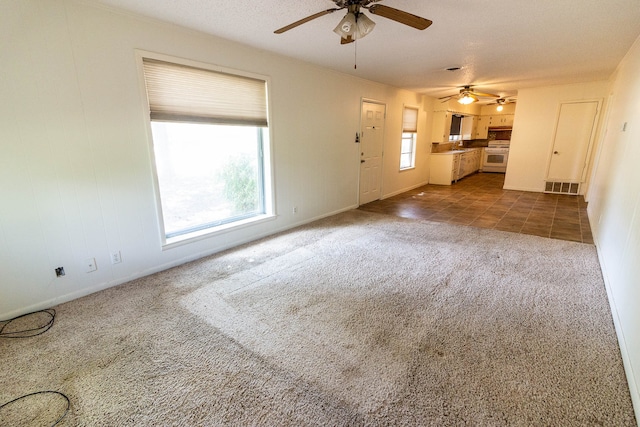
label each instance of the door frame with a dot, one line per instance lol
(364, 100)
(602, 134)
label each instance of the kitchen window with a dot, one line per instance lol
(409, 138)
(455, 133)
(210, 145)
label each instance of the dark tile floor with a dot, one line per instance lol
(479, 200)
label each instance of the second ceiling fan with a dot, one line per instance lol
(467, 95)
(356, 24)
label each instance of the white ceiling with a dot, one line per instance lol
(502, 45)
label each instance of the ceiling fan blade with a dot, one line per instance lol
(347, 40)
(446, 98)
(400, 16)
(307, 19)
(484, 95)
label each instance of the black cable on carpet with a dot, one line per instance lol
(50, 315)
(30, 332)
(39, 393)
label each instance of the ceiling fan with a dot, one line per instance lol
(504, 100)
(356, 24)
(501, 102)
(467, 96)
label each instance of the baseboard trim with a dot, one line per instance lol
(404, 190)
(531, 190)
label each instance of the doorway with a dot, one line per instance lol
(371, 151)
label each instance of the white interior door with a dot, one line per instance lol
(576, 123)
(371, 142)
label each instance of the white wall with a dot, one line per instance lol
(395, 181)
(533, 131)
(75, 169)
(614, 211)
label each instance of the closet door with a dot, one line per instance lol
(574, 133)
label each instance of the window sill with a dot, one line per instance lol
(215, 231)
(407, 169)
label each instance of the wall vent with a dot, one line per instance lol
(562, 187)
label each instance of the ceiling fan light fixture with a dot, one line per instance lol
(467, 98)
(347, 26)
(364, 25)
(499, 107)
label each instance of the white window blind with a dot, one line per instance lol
(180, 93)
(410, 120)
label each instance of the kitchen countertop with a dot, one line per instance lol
(462, 150)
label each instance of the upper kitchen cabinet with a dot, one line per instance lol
(482, 129)
(442, 119)
(441, 127)
(501, 121)
(469, 127)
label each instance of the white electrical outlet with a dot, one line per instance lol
(295, 209)
(90, 265)
(116, 258)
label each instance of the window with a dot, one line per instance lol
(209, 132)
(409, 136)
(454, 130)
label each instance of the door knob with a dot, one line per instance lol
(555, 152)
(361, 161)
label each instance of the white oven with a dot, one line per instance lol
(495, 156)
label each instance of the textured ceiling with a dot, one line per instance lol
(502, 45)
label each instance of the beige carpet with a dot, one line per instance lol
(357, 319)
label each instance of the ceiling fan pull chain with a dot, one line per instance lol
(355, 55)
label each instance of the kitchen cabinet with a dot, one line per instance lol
(505, 120)
(469, 127)
(450, 166)
(482, 128)
(469, 162)
(508, 120)
(465, 165)
(441, 126)
(443, 168)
